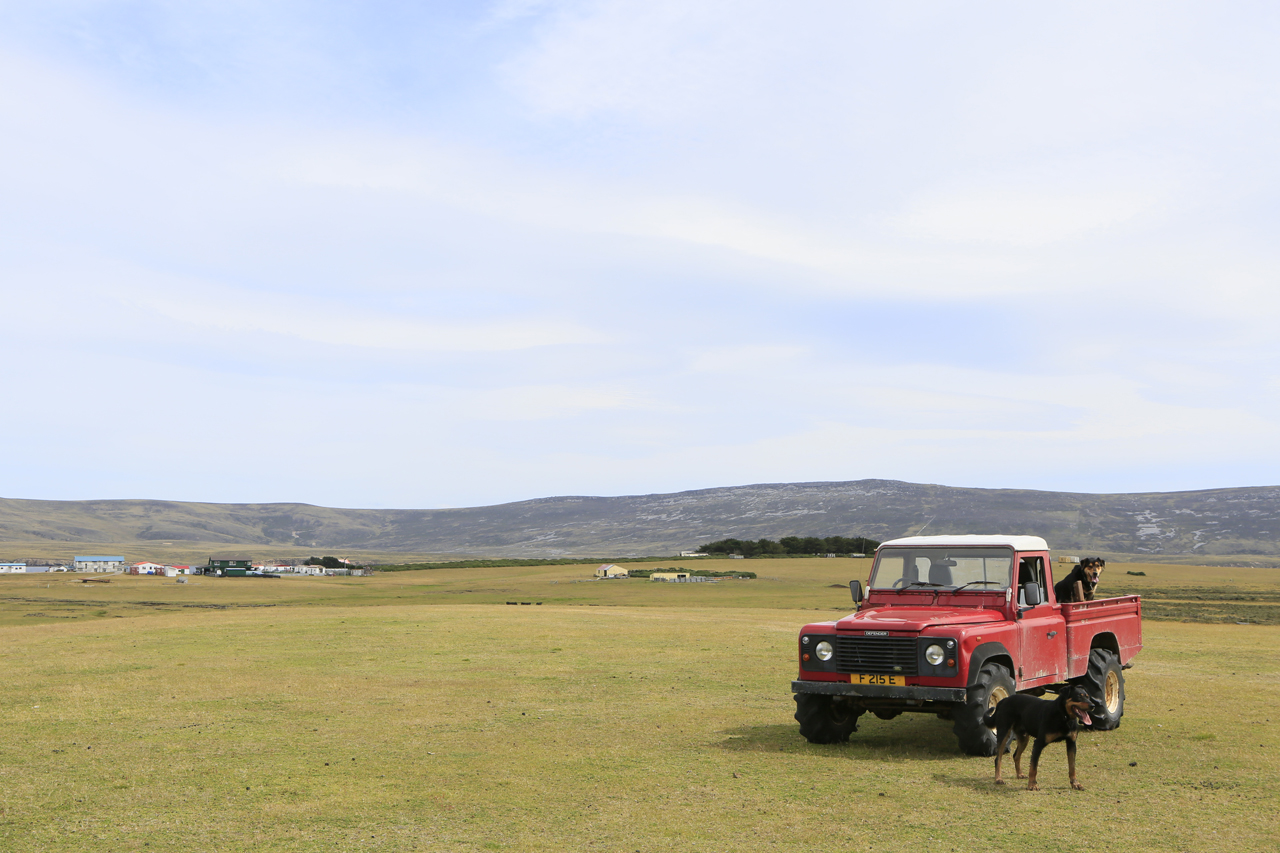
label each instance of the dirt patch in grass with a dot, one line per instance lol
(1214, 611)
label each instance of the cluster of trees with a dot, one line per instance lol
(330, 563)
(797, 546)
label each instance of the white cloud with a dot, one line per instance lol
(311, 320)
(753, 358)
(512, 191)
(1024, 217)
(544, 402)
(659, 60)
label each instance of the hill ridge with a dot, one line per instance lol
(1209, 522)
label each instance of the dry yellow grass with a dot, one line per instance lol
(646, 725)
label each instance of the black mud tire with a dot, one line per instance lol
(992, 684)
(1105, 683)
(826, 719)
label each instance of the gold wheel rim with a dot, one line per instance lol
(1111, 692)
(994, 698)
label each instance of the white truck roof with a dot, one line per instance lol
(969, 540)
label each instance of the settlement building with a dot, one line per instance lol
(227, 565)
(12, 568)
(99, 564)
(609, 570)
(678, 577)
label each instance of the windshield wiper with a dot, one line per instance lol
(971, 583)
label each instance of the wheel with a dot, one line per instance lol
(992, 684)
(826, 719)
(1105, 683)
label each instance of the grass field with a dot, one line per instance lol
(419, 711)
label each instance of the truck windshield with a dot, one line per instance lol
(930, 568)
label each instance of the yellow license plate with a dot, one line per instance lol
(886, 680)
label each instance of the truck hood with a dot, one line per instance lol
(916, 619)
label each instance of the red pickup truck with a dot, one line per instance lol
(950, 625)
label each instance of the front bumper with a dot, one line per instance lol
(910, 693)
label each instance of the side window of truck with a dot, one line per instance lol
(1030, 570)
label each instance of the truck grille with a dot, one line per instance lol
(895, 655)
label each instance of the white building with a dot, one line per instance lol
(12, 568)
(99, 564)
(678, 577)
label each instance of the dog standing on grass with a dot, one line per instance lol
(1045, 720)
(1087, 574)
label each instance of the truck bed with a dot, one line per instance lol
(1116, 618)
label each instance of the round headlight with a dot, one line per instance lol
(934, 654)
(823, 650)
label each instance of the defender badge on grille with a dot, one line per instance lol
(875, 633)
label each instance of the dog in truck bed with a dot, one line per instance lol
(1045, 720)
(1088, 573)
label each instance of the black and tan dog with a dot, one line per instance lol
(1088, 573)
(1045, 720)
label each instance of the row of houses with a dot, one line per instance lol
(242, 565)
(100, 564)
(81, 564)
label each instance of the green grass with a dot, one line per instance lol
(423, 713)
(1183, 594)
(1170, 592)
(788, 582)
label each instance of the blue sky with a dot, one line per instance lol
(394, 254)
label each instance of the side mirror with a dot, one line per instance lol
(1031, 594)
(855, 589)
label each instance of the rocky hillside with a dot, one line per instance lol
(1239, 521)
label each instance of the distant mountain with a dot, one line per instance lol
(1243, 521)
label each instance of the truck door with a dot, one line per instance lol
(1042, 636)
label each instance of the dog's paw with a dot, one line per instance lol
(1032, 786)
(1022, 775)
(1077, 786)
(999, 781)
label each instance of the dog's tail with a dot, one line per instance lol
(989, 718)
